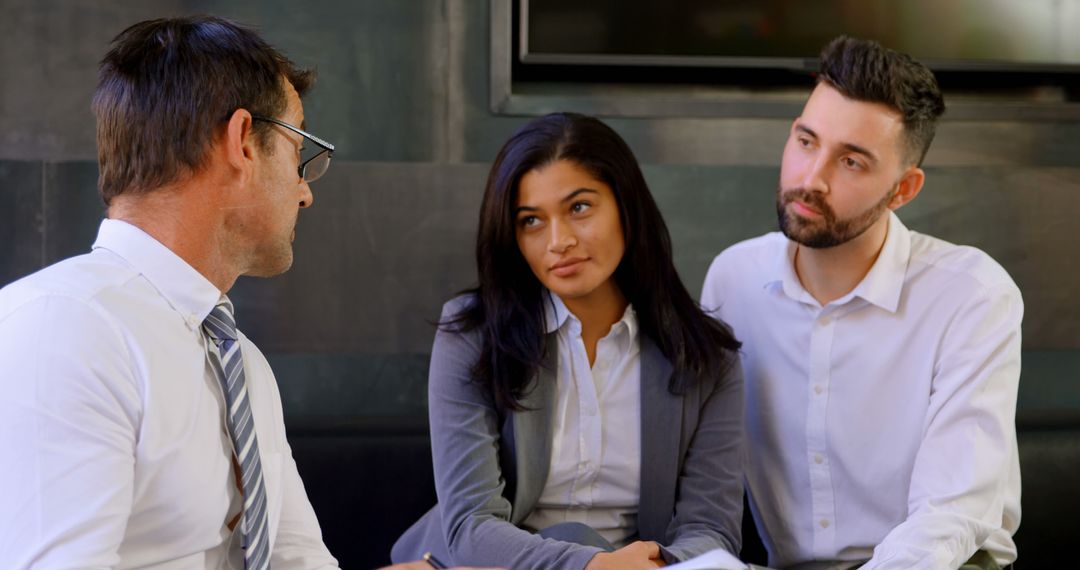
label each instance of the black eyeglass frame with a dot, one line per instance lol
(325, 146)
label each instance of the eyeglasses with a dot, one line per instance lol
(313, 167)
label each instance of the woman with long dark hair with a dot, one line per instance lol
(585, 413)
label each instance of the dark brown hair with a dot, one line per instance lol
(864, 70)
(166, 86)
(507, 307)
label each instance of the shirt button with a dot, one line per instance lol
(818, 389)
(824, 523)
(818, 459)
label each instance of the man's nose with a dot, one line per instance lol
(816, 176)
(306, 197)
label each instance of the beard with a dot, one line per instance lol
(830, 230)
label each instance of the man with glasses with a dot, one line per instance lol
(138, 427)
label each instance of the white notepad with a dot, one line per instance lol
(718, 559)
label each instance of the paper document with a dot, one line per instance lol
(718, 559)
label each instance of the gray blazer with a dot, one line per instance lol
(490, 468)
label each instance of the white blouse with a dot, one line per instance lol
(595, 473)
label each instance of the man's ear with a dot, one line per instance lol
(908, 187)
(239, 141)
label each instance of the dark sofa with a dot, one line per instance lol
(370, 478)
(363, 451)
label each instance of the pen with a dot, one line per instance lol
(434, 562)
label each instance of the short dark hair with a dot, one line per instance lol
(165, 87)
(865, 70)
(508, 304)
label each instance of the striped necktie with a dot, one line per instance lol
(228, 365)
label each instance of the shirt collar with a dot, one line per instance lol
(555, 312)
(556, 315)
(784, 276)
(884, 282)
(881, 286)
(184, 288)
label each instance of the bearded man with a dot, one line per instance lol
(881, 365)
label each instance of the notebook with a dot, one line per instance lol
(718, 559)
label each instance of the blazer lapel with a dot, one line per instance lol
(661, 431)
(532, 436)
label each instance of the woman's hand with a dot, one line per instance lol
(642, 555)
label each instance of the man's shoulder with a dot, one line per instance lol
(746, 265)
(966, 266)
(64, 316)
(748, 255)
(81, 279)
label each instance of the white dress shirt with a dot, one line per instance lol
(113, 447)
(880, 426)
(595, 473)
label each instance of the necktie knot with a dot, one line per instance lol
(219, 324)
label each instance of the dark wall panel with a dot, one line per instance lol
(382, 248)
(403, 91)
(49, 51)
(73, 209)
(381, 63)
(380, 93)
(21, 229)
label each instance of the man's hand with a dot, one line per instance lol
(421, 565)
(640, 555)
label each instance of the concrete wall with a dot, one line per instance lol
(403, 93)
